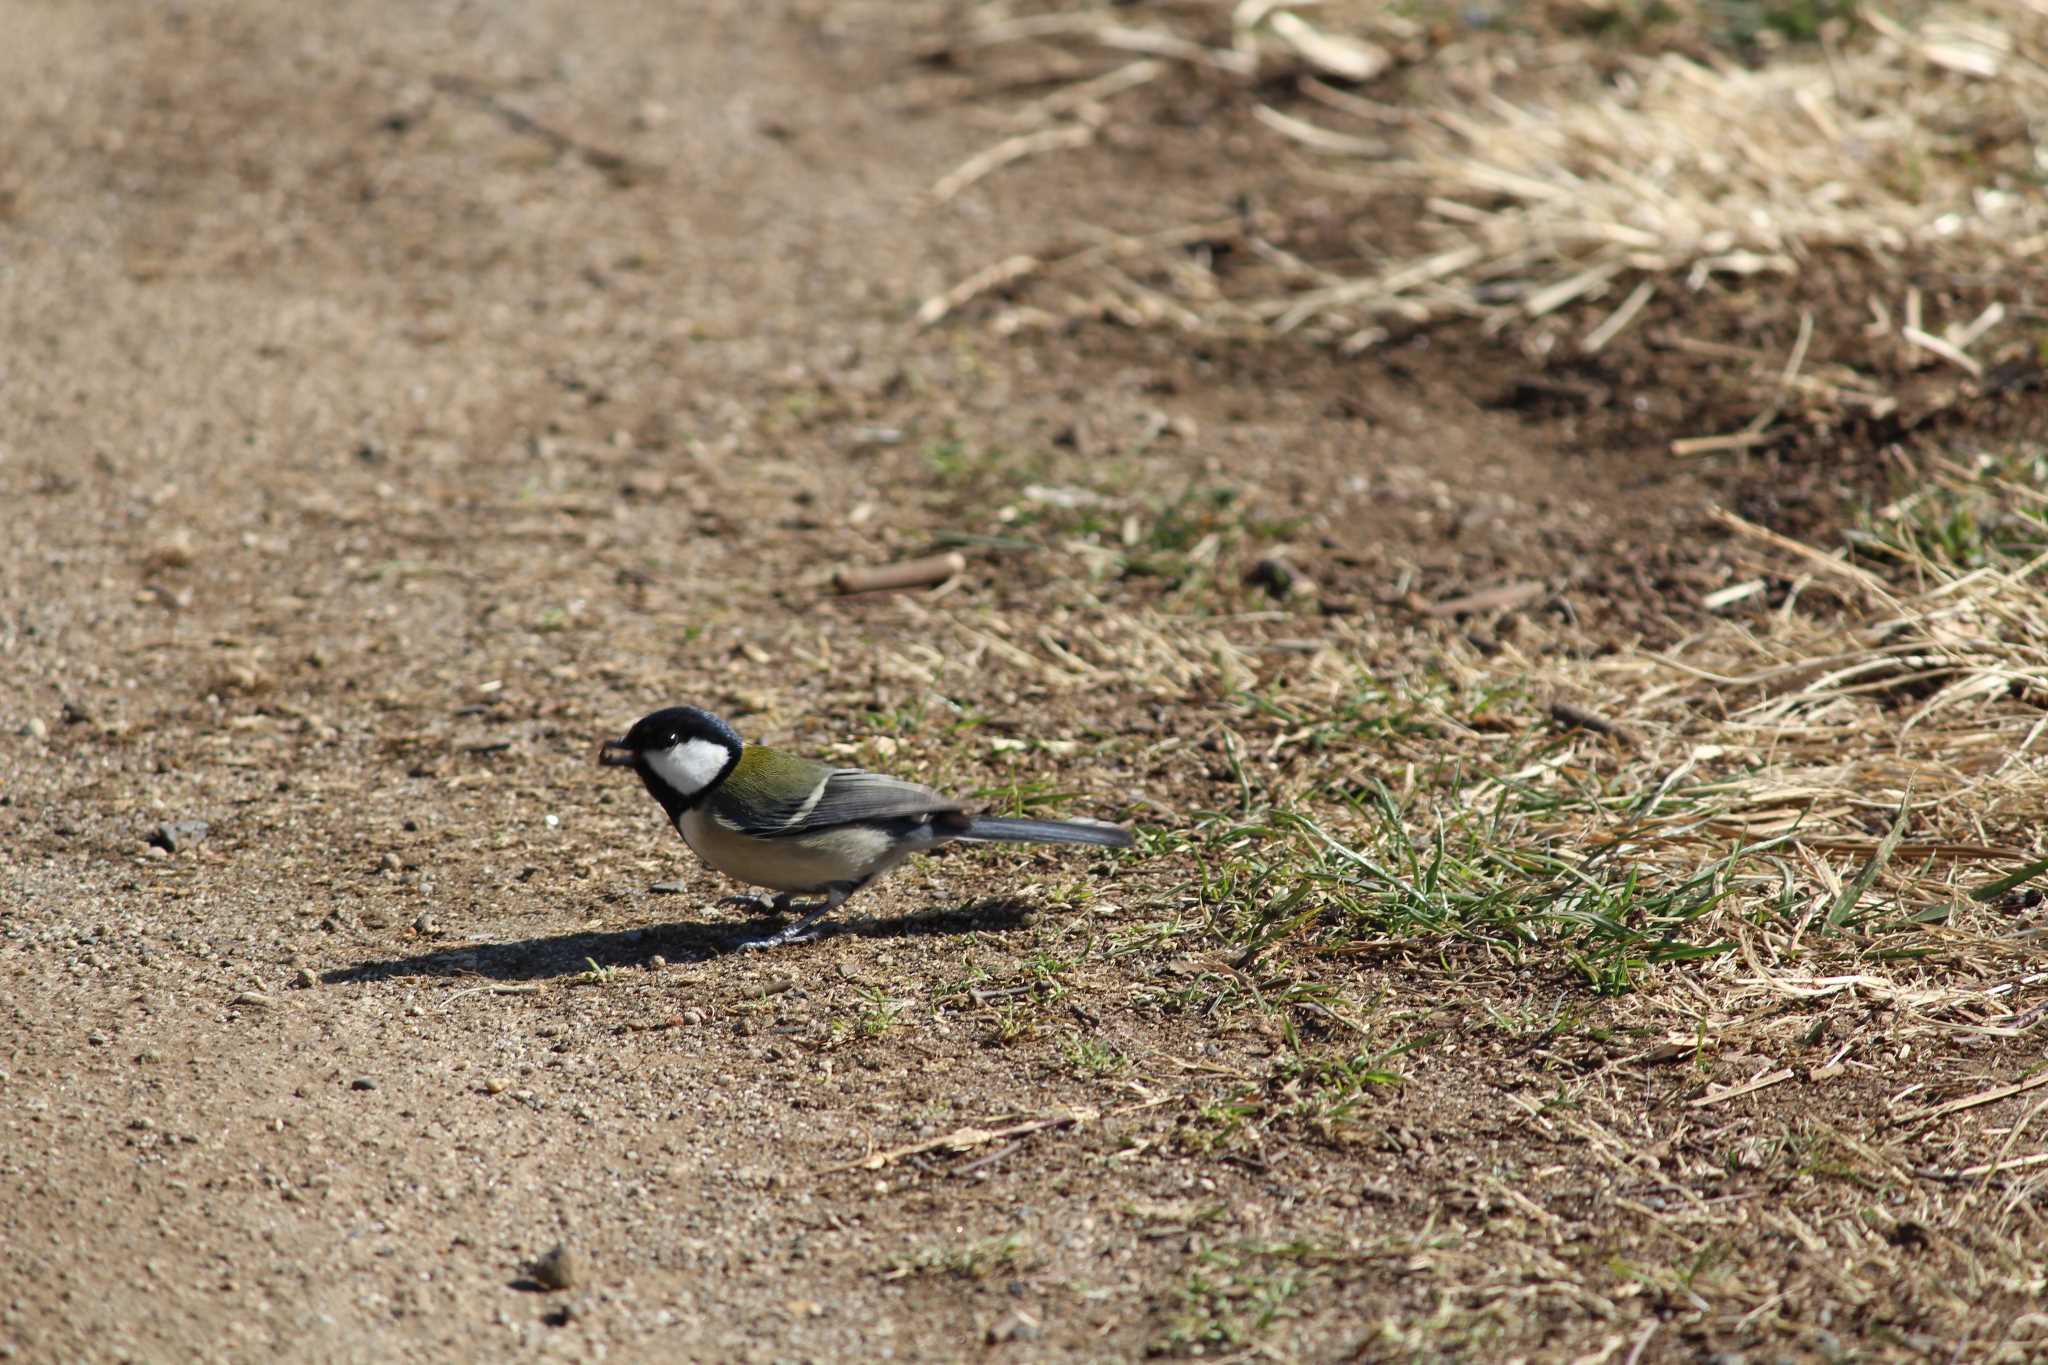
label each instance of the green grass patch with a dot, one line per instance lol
(1235, 1296)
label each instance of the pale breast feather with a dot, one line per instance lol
(808, 863)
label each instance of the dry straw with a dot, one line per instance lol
(1865, 758)
(1664, 173)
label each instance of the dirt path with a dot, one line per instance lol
(398, 400)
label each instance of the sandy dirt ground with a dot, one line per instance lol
(396, 400)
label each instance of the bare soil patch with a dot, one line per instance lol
(400, 400)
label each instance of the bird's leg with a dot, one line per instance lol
(801, 931)
(759, 905)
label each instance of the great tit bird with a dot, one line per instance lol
(798, 827)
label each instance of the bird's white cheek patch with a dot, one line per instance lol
(691, 766)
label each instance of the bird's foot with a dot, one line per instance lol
(780, 939)
(802, 929)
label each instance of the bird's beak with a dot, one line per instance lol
(615, 753)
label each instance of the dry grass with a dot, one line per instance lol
(1760, 909)
(1744, 932)
(1531, 176)
(1852, 757)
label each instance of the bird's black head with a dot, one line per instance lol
(680, 753)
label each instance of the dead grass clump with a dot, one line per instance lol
(1674, 171)
(1835, 794)
(1871, 770)
(1606, 175)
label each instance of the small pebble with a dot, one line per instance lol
(425, 923)
(1018, 1326)
(693, 1017)
(253, 998)
(173, 836)
(656, 963)
(305, 980)
(363, 1083)
(388, 863)
(1280, 579)
(556, 1270)
(497, 1085)
(36, 728)
(97, 1039)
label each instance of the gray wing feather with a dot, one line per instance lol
(855, 794)
(845, 795)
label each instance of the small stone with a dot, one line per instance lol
(174, 551)
(1017, 1326)
(556, 1270)
(253, 998)
(656, 963)
(305, 980)
(97, 1038)
(1280, 579)
(388, 863)
(693, 1017)
(497, 1085)
(363, 1083)
(425, 924)
(37, 728)
(241, 678)
(173, 836)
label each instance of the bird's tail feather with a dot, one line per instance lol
(1006, 831)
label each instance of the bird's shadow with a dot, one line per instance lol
(539, 959)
